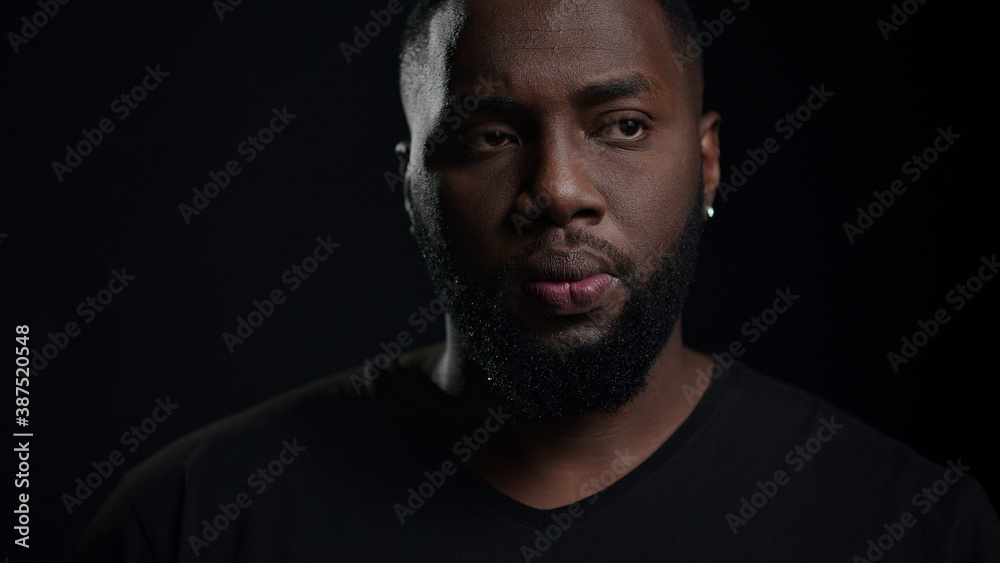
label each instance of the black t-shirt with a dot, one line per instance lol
(760, 471)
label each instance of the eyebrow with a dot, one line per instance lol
(484, 103)
(589, 95)
(602, 92)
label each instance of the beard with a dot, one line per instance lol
(549, 381)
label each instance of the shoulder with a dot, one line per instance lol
(804, 424)
(322, 428)
(834, 468)
(328, 410)
(800, 427)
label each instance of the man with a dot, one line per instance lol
(563, 419)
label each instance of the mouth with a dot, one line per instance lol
(568, 282)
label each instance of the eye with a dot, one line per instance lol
(630, 128)
(494, 139)
(486, 138)
(626, 128)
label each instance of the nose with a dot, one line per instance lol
(559, 190)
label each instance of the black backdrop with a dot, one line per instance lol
(324, 175)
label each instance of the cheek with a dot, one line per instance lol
(475, 208)
(649, 201)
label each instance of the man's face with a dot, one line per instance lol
(565, 190)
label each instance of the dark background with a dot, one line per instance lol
(323, 175)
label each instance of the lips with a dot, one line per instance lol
(567, 282)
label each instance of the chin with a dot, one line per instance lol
(566, 341)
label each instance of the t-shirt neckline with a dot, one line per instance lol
(478, 488)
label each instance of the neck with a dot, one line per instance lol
(553, 463)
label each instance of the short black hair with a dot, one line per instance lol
(679, 17)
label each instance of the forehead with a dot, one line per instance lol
(537, 46)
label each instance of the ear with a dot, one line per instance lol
(711, 171)
(403, 154)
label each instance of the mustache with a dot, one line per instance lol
(625, 265)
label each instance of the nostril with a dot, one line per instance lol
(585, 213)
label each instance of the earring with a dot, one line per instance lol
(710, 211)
